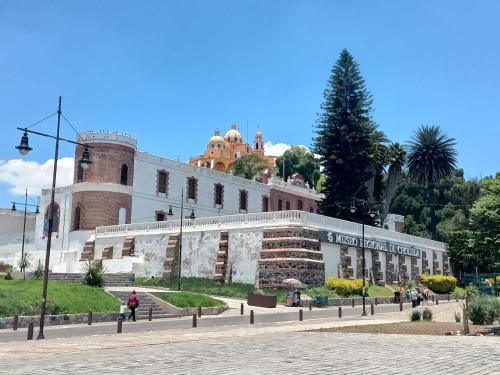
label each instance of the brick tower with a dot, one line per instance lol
(102, 194)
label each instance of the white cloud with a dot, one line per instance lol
(20, 174)
(277, 149)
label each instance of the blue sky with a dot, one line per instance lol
(170, 72)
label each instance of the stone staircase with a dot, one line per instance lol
(221, 264)
(290, 252)
(145, 302)
(110, 279)
(170, 265)
(88, 251)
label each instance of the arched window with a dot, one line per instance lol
(78, 213)
(122, 215)
(79, 173)
(124, 175)
(55, 217)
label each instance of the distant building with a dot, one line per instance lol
(222, 152)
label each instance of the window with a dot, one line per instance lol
(265, 204)
(287, 204)
(311, 209)
(55, 217)
(299, 204)
(219, 195)
(160, 216)
(243, 200)
(256, 146)
(124, 175)
(280, 205)
(79, 173)
(78, 213)
(162, 181)
(122, 215)
(191, 188)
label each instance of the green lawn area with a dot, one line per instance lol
(187, 299)
(23, 297)
(380, 291)
(201, 286)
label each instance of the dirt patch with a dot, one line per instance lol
(411, 328)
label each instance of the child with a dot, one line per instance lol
(123, 308)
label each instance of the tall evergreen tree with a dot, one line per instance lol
(344, 133)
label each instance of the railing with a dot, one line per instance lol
(270, 218)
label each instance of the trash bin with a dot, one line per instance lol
(397, 297)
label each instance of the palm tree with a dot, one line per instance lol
(396, 158)
(23, 263)
(431, 158)
(376, 159)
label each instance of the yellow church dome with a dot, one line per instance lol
(216, 137)
(233, 135)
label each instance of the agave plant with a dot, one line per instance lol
(38, 272)
(94, 274)
(24, 263)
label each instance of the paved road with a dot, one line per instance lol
(55, 332)
(260, 349)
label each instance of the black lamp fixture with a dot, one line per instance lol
(13, 206)
(37, 211)
(170, 212)
(192, 217)
(24, 147)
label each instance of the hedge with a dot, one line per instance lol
(439, 283)
(345, 287)
(484, 310)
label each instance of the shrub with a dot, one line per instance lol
(458, 317)
(439, 283)
(345, 287)
(427, 314)
(415, 316)
(8, 272)
(94, 274)
(38, 272)
(483, 310)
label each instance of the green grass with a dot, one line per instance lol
(23, 297)
(201, 286)
(380, 291)
(187, 300)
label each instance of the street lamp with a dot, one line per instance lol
(364, 210)
(23, 149)
(25, 204)
(192, 217)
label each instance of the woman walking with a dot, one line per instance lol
(133, 303)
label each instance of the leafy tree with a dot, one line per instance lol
(248, 166)
(485, 222)
(344, 135)
(396, 158)
(431, 158)
(23, 263)
(299, 160)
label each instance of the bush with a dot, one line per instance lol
(484, 310)
(94, 274)
(345, 287)
(458, 317)
(8, 272)
(427, 314)
(415, 316)
(38, 272)
(439, 284)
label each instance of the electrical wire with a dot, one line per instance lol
(69, 123)
(39, 121)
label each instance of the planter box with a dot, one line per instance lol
(262, 301)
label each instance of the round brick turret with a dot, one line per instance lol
(102, 194)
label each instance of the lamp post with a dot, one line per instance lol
(23, 149)
(25, 204)
(363, 204)
(192, 217)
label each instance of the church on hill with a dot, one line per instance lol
(222, 152)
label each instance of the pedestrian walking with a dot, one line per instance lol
(123, 309)
(414, 298)
(132, 303)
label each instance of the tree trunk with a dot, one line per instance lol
(370, 184)
(393, 177)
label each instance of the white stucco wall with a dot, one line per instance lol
(199, 254)
(244, 249)
(331, 257)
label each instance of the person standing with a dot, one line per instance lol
(414, 298)
(123, 308)
(133, 303)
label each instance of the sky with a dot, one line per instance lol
(171, 72)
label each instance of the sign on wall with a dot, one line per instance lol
(370, 243)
